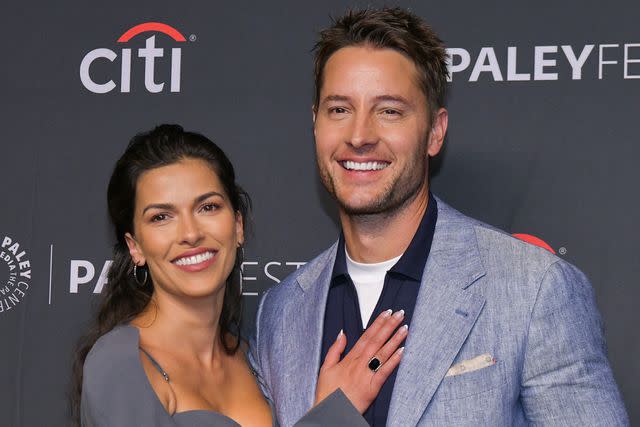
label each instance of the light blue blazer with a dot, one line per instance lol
(483, 292)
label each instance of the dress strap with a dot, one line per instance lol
(156, 364)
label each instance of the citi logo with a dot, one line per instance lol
(97, 57)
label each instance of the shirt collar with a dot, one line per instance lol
(340, 265)
(412, 262)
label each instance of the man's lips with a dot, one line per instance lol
(364, 165)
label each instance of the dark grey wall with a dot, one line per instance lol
(554, 156)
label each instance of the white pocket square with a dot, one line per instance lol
(470, 365)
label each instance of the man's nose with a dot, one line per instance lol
(363, 131)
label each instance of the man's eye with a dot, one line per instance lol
(390, 111)
(337, 110)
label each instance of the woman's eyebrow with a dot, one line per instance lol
(163, 206)
(169, 206)
(205, 196)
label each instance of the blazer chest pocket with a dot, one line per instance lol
(471, 383)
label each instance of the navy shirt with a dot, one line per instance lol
(400, 291)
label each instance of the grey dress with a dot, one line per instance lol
(117, 392)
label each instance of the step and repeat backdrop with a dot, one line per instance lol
(544, 120)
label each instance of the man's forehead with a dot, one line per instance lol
(368, 56)
(378, 74)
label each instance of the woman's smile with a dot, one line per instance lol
(196, 260)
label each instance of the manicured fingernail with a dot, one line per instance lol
(404, 329)
(387, 313)
(400, 350)
(399, 314)
(341, 333)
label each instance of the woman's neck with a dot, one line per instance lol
(189, 326)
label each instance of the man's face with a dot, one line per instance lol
(372, 130)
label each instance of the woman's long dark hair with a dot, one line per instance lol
(123, 298)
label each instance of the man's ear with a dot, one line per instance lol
(438, 132)
(134, 250)
(314, 115)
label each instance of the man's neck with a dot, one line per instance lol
(380, 237)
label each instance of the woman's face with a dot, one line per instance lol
(185, 229)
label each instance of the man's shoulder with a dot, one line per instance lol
(496, 246)
(310, 271)
(511, 266)
(516, 267)
(290, 292)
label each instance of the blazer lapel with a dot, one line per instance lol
(303, 327)
(444, 314)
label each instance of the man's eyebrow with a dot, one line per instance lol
(379, 98)
(169, 206)
(392, 98)
(340, 98)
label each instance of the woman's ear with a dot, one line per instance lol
(134, 250)
(239, 229)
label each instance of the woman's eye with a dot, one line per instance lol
(209, 207)
(159, 217)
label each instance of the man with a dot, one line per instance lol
(500, 332)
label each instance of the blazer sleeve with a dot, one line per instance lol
(566, 377)
(253, 356)
(256, 369)
(335, 410)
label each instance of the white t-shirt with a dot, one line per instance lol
(369, 281)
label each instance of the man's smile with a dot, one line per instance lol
(364, 166)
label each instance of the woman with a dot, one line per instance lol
(165, 349)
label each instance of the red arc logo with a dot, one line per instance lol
(534, 241)
(151, 26)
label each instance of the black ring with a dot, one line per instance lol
(374, 364)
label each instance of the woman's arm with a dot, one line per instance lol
(335, 410)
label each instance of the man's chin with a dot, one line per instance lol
(383, 203)
(364, 207)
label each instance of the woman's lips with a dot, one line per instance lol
(195, 261)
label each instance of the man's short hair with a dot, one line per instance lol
(388, 28)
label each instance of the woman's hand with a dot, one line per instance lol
(353, 375)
